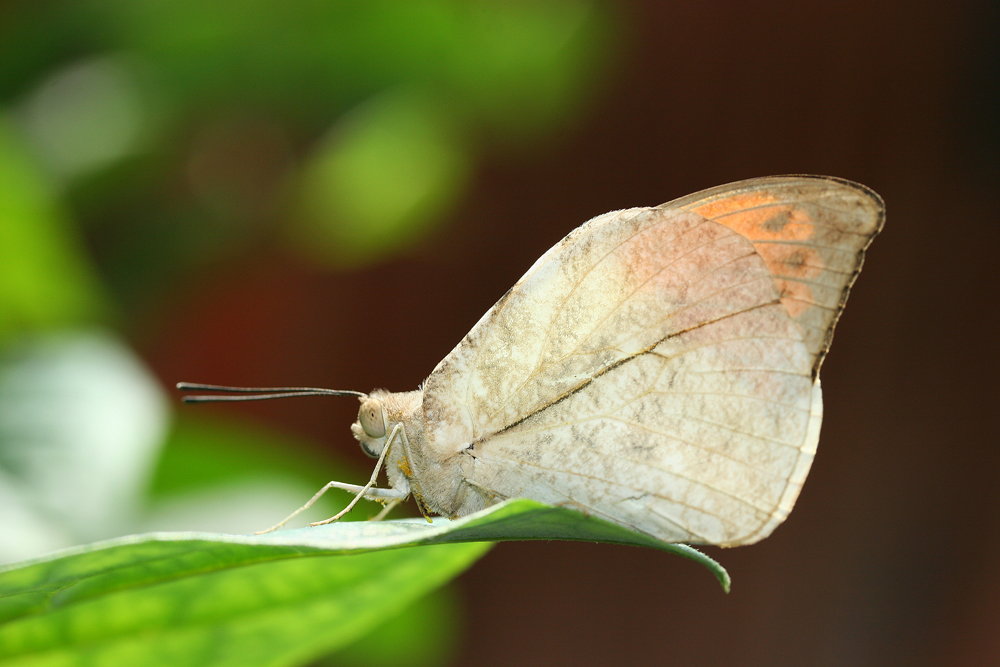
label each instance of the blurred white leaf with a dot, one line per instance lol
(25, 531)
(81, 422)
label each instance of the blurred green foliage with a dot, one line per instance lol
(393, 168)
(352, 126)
(45, 280)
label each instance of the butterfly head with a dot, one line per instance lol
(370, 429)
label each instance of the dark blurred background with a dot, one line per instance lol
(332, 193)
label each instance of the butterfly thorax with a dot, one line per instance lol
(437, 486)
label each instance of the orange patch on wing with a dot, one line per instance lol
(760, 217)
(797, 298)
(770, 223)
(720, 207)
(792, 261)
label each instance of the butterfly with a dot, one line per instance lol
(657, 368)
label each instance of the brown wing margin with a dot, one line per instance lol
(812, 231)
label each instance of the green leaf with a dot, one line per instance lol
(54, 585)
(276, 599)
(208, 602)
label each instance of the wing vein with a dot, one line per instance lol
(548, 331)
(618, 363)
(574, 473)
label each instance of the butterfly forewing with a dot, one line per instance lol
(655, 368)
(812, 233)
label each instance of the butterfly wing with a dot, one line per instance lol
(658, 367)
(812, 234)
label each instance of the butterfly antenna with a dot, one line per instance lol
(259, 393)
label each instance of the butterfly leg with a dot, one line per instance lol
(371, 482)
(366, 491)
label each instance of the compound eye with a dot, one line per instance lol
(370, 417)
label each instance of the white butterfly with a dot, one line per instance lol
(657, 368)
